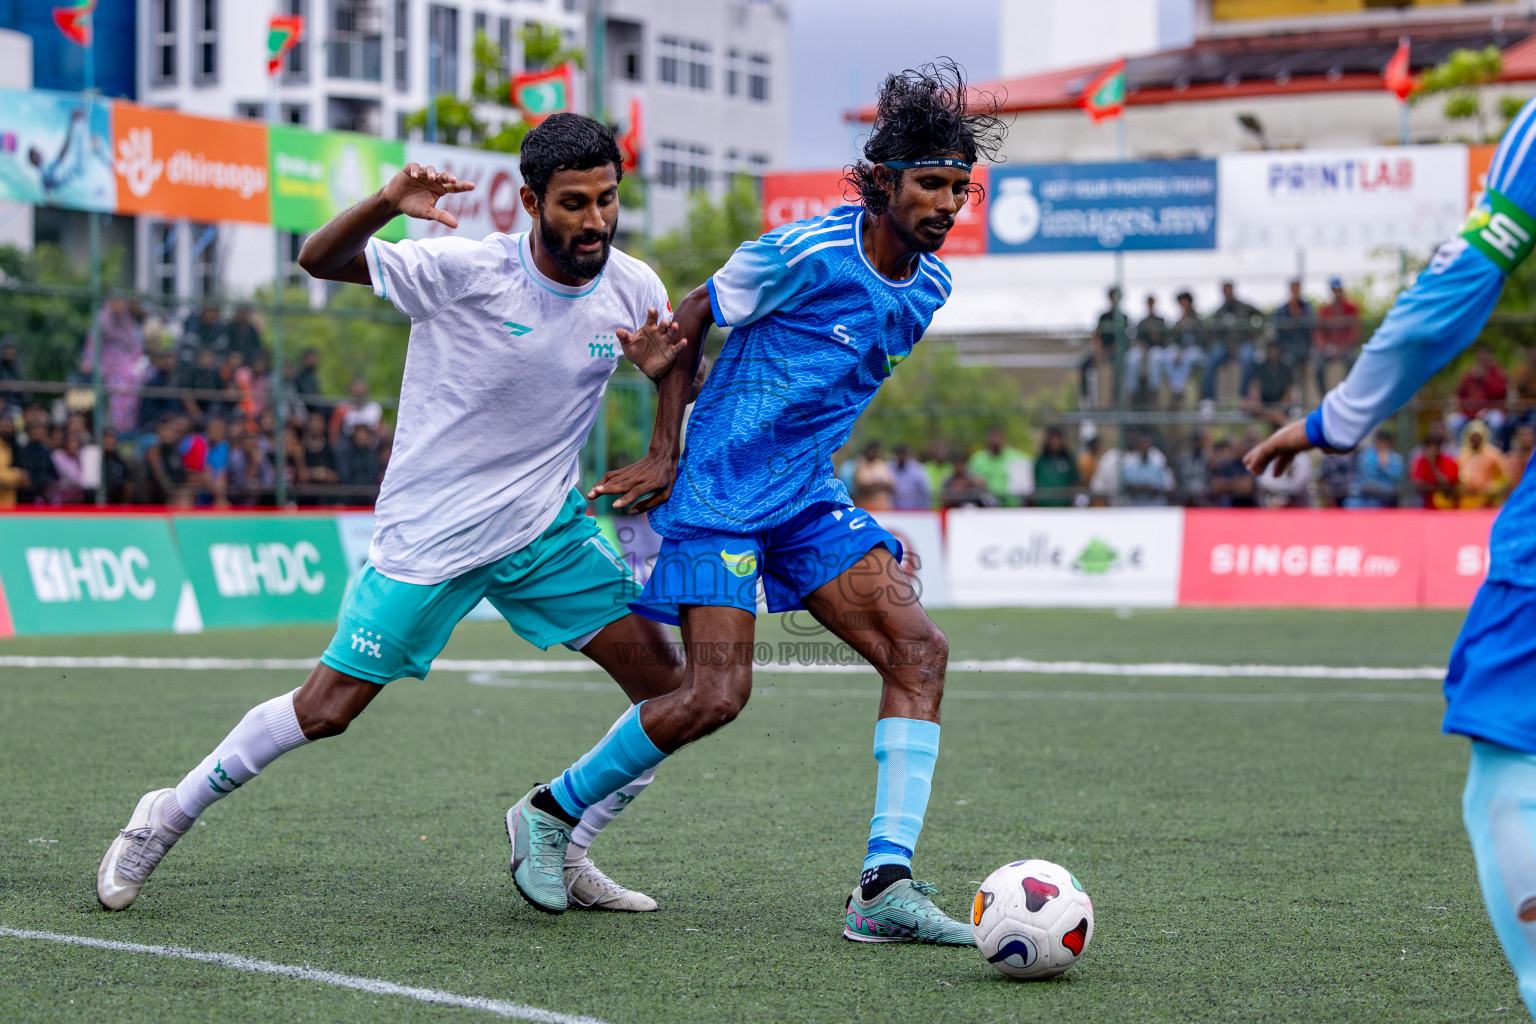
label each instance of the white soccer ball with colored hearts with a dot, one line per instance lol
(1032, 919)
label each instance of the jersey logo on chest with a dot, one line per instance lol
(515, 329)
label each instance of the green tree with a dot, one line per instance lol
(1462, 78)
(544, 47)
(699, 246)
(357, 335)
(45, 306)
(931, 397)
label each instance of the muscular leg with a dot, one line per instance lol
(873, 608)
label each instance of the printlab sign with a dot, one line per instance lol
(1140, 204)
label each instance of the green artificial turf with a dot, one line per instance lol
(1256, 849)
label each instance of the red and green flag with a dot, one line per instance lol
(633, 140)
(1398, 77)
(283, 32)
(537, 94)
(74, 20)
(1104, 96)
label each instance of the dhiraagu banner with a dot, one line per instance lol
(260, 569)
(91, 574)
(316, 175)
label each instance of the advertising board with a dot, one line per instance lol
(789, 196)
(1064, 557)
(56, 150)
(922, 540)
(316, 175)
(250, 570)
(1455, 556)
(199, 168)
(494, 205)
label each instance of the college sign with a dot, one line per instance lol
(1103, 207)
(90, 574)
(259, 569)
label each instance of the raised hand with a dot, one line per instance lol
(655, 346)
(1281, 448)
(415, 190)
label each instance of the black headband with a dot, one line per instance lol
(938, 161)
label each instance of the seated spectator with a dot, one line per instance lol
(357, 459)
(964, 489)
(1434, 472)
(251, 473)
(937, 461)
(1335, 479)
(170, 482)
(1008, 472)
(1336, 338)
(358, 409)
(162, 375)
(1145, 478)
(910, 486)
(319, 459)
(216, 463)
(1482, 391)
(205, 381)
(1232, 486)
(245, 334)
(1525, 381)
(71, 485)
(1269, 386)
(1378, 474)
(121, 340)
(1233, 329)
(1192, 469)
(1294, 325)
(1144, 357)
(116, 474)
(1088, 457)
(35, 455)
(306, 382)
(203, 332)
(1521, 447)
(1104, 483)
(872, 480)
(11, 402)
(1056, 476)
(1480, 469)
(1290, 489)
(13, 479)
(1185, 352)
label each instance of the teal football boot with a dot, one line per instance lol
(903, 912)
(538, 855)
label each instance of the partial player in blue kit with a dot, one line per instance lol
(821, 312)
(1490, 684)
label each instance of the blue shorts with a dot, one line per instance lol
(792, 559)
(563, 586)
(1490, 683)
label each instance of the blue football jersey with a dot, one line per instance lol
(814, 330)
(1436, 319)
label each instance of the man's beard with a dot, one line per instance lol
(916, 242)
(583, 268)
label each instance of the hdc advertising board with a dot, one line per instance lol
(316, 175)
(1400, 195)
(1104, 207)
(90, 574)
(248, 570)
(1064, 558)
(798, 195)
(494, 205)
(196, 167)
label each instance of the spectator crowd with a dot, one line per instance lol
(191, 421)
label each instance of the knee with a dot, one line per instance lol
(719, 702)
(918, 660)
(319, 719)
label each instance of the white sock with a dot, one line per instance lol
(266, 731)
(598, 816)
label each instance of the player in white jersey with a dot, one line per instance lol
(513, 339)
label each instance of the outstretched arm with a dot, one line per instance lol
(655, 474)
(335, 252)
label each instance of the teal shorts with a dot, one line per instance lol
(565, 585)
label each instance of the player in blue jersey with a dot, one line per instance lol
(1490, 685)
(821, 312)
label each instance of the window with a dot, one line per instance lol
(355, 49)
(205, 42)
(443, 49)
(251, 111)
(290, 243)
(733, 73)
(294, 113)
(667, 165)
(482, 24)
(205, 259)
(698, 167)
(669, 60)
(296, 67)
(625, 43)
(163, 27)
(162, 260)
(757, 78)
(402, 45)
(698, 65)
(504, 44)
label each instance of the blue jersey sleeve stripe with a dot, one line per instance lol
(834, 244)
(809, 234)
(938, 283)
(1502, 168)
(937, 265)
(793, 230)
(714, 303)
(1517, 160)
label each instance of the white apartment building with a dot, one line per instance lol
(711, 76)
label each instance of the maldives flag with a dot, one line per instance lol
(632, 141)
(1397, 77)
(1104, 96)
(283, 32)
(537, 94)
(74, 20)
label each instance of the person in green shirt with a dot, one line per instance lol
(1056, 477)
(1008, 472)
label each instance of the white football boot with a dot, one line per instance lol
(135, 852)
(589, 889)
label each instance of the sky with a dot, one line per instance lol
(840, 50)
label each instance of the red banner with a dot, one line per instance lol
(1455, 556)
(789, 196)
(1320, 559)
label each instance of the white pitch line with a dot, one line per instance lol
(1014, 666)
(499, 1007)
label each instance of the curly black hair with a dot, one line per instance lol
(924, 112)
(566, 142)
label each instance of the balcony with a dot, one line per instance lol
(361, 59)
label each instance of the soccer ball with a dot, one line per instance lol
(1032, 919)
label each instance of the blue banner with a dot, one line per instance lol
(1141, 204)
(56, 150)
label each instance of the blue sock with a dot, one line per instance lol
(906, 750)
(619, 758)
